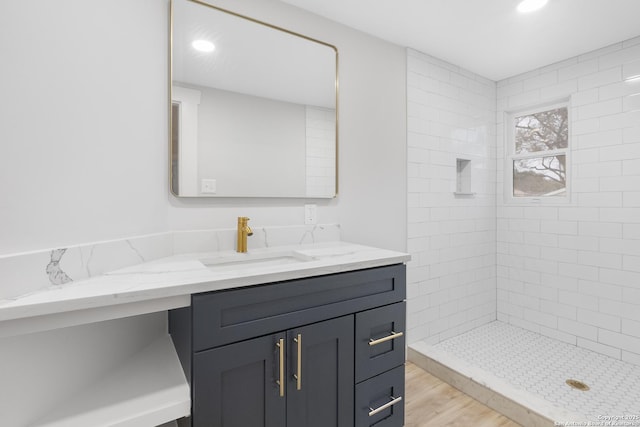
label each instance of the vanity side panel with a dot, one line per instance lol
(180, 329)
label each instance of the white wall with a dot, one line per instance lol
(85, 129)
(371, 201)
(83, 119)
(572, 272)
(451, 277)
(265, 157)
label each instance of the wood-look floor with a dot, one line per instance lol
(430, 402)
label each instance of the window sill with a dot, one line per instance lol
(535, 201)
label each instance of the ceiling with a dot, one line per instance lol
(488, 37)
(250, 58)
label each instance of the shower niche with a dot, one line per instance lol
(463, 178)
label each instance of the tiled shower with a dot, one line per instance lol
(451, 238)
(568, 272)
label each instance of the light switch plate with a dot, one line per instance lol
(208, 186)
(310, 214)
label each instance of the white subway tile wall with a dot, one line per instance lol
(321, 151)
(451, 277)
(572, 272)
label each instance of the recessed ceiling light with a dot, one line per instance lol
(203, 45)
(527, 6)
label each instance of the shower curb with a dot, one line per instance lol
(497, 401)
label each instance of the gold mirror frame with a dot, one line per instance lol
(173, 123)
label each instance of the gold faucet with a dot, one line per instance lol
(243, 231)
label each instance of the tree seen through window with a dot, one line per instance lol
(539, 162)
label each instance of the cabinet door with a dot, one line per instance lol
(238, 385)
(320, 388)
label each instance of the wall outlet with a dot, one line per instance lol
(310, 214)
(208, 186)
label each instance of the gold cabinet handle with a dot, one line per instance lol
(393, 336)
(280, 381)
(392, 402)
(298, 374)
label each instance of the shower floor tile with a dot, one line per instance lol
(535, 368)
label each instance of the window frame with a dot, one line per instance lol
(511, 156)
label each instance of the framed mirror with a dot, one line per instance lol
(253, 107)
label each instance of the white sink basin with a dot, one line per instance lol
(241, 261)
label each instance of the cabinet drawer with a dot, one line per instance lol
(380, 400)
(234, 315)
(380, 340)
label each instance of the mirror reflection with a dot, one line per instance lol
(253, 110)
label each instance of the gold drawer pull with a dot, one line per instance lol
(393, 336)
(392, 402)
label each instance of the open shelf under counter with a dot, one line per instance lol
(149, 389)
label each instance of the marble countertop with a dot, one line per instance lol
(186, 274)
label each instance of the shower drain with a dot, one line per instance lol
(579, 385)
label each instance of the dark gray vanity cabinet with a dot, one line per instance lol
(234, 385)
(240, 384)
(324, 351)
(320, 381)
(379, 366)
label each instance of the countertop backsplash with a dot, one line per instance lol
(29, 272)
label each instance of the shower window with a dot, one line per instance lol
(538, 152)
